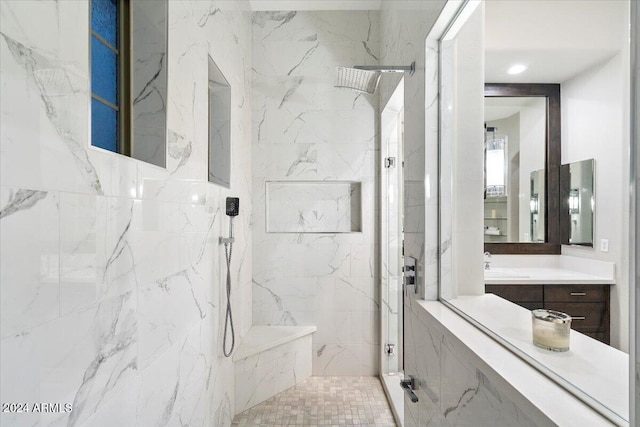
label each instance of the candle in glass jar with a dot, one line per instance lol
(551, 329)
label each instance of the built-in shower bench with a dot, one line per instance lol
(269, 360)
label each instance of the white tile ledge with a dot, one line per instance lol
(262, 338)
(557, 404)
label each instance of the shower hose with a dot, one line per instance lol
(228, 318)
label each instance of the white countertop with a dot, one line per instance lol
(542, 276)
(548, 270)
(601, 372)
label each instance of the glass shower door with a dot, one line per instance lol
(392, 243)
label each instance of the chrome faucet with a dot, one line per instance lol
(487, 261)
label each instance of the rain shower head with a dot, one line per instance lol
(356, 79)
(365, 78)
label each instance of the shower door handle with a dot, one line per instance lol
(408, 386)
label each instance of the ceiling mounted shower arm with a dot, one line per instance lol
(389, 68)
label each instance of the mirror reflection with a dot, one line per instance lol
(577, 190)
(514, 148)
(219, 127)
(537, 205)
(584, 84)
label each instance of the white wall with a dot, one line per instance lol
(595, 123)
(305, 129)
(111, 273)
(462, 142)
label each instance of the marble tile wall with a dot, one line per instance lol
(111, 276)
(270, 372)
(304, 129)
(453, 388)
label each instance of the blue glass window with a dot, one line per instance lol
(104, 126)
(105, 71)
(104, 20)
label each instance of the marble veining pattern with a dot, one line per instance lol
(111, 274)
(453, 388)
(56, 94)
(149, 82)
(307, 131)
(261, 376)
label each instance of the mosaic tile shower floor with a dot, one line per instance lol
(323, 401)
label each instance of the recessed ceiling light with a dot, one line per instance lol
(516, 69)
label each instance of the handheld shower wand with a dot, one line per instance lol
(232, 209)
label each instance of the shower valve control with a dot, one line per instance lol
(409, 273)
(232, 206)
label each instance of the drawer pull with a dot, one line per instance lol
(578, 318)
(578, 294)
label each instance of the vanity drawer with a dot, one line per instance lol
(517, 293)
(576, 293)
(586, 316)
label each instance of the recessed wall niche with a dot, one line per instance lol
(219, 127)
(313, 206)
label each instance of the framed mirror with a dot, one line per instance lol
(531, 113)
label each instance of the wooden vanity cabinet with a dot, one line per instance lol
(529, 296)
(588, 305)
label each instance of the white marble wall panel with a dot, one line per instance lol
(29, 264)
(86, 358)
(470, 399)
(325, 126)
(454, 389)
(315, 161)
(304, 129)
(262, 376)
(309, 58)
(292, 260)
(166, 310)
(325, 27)
(296, 94)
(345, 359)
(111, 274)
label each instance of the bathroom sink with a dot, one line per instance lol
(503, 274)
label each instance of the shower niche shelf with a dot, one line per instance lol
(313, 206)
